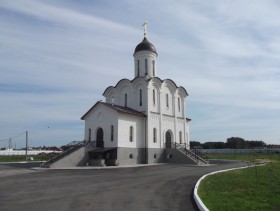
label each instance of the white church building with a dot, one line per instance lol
(141, 121)
(140, 117)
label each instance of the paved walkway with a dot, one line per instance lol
(157, 187)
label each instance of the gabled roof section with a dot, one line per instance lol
(120, 109)
(126, 110)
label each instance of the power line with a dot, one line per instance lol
(6, 139)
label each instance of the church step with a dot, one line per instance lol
(73, 147)
(190, 154)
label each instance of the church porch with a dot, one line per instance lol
(102, 156)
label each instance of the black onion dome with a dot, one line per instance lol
(145, 45)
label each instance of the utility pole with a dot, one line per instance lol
(10, 143)
(26, 141)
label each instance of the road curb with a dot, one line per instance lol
(201, 206)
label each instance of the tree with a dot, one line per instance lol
(214, 145)
(236, 143)
(253, 144)
(195, 144)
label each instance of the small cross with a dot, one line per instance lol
(145, 28)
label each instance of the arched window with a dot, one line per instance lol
(125, 100)
(154, 97)
(180, 137)
(112, 132)
(100, 138)
(153, 67)
(89, 135)
(138, 68)
(146, 66)
(179, 104)
(140, 97)
(131, 133)
(155, 135)
(167, 101)
(168, 141)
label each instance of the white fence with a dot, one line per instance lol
(29, 152)
(237, 151)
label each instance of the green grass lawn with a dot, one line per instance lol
(256, 188)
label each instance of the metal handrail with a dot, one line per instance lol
(187, 151)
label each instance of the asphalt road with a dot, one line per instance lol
(160, 187)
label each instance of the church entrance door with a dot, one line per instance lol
(99, 138)
(167, 139)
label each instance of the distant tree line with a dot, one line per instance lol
(231, 143)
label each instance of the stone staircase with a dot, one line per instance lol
(72, 147)
(182, 148)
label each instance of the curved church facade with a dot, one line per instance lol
(140, 118)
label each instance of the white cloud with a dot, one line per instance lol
(225, 53)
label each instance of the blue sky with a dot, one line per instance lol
(57, 58)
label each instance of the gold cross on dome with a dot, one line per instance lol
(145, 28)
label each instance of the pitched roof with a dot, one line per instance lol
(120, 109)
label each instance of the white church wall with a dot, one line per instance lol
(179, 105)
(138, 134)
(187, 135)
(166, 101)
(154, 123)
(154, 98)
(140, 103)
(180, 102)
(180, 128)
(126, 95)
(168, 124)
(134, 92)
(112, 98)
(110, 94)
(102, 117)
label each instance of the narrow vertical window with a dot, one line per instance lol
(154, 97)
(125, 100)
(130, 133)
(167, 101)
(89, 135)
(140, 97)
(146, 66)
(153, 67)
(138, 68)
(155, 135)
(180, 137)
(112, 132)
(179, 102)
